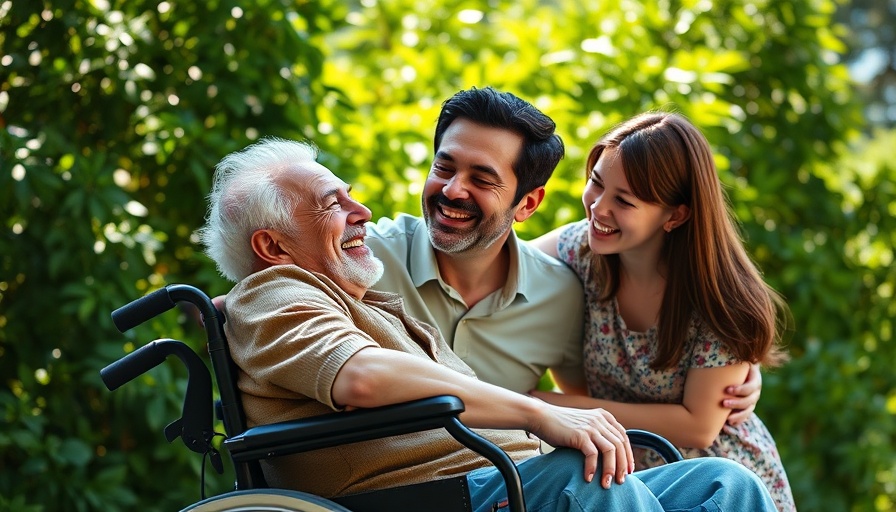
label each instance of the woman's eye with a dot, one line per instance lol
(623, 202)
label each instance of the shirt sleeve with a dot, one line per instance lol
(291, 336)
(571, 368)
(707, 350)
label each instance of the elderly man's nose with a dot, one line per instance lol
(360, 213)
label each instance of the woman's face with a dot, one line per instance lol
(620, 223)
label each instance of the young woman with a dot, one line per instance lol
(676, 310)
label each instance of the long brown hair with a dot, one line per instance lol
(668, 161)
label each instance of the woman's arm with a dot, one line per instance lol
(746, 396)
(695, 423)
(547, 243)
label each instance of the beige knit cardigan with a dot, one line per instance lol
(290, 331)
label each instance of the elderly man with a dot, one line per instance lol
(310, 337)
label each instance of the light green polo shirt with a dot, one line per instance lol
(511, 336)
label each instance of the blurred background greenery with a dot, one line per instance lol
(113, 114)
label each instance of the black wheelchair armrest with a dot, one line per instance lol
(655, 442)
(337, 428)
(333, 429)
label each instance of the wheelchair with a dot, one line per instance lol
(246, 447)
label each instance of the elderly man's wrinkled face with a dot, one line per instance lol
(329, 229)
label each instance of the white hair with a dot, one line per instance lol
(246, 197)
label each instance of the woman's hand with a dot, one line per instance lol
(746, 397)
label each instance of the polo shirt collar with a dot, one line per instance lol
(424, 267)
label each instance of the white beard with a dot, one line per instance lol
(362, 272)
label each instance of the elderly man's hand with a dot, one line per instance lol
(593, 432)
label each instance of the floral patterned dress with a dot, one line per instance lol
(617, 367)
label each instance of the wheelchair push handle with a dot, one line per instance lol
(154, 304)
(136, 312)
(135, 364)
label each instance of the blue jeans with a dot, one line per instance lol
(555, 482)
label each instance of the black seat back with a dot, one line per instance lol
(229, 406)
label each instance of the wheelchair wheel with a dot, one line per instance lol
(266, 500)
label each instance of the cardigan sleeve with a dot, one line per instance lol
(290, 337)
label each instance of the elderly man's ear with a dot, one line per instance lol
(266, 246)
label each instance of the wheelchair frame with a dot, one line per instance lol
(247, 447)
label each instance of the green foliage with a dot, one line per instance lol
(844, 339)
(113, 115)
(872, 48)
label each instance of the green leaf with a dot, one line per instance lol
(75, 452)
